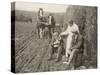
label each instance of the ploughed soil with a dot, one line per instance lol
(31, 53)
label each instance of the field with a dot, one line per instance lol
(31, 53)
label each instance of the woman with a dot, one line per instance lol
(70, 37)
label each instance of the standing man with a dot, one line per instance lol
(70, 37)
(39, 23)
(51, 24)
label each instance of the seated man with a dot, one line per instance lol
(77, 52)
(56, 44)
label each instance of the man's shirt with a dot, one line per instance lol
(49, 22)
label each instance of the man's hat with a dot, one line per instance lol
(71, 21)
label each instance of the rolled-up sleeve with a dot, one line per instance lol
(65, 32)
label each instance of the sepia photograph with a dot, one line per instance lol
(53, 37)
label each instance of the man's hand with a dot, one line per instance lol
(71, 48)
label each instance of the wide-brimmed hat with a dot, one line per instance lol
(55, 33)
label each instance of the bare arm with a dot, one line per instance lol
(65, 33)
